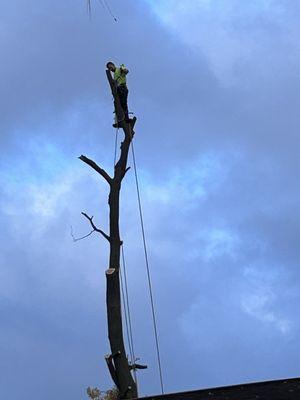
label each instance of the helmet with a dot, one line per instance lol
(109, 63)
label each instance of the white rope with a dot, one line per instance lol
(147, 269)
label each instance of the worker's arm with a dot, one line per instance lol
(123, 69)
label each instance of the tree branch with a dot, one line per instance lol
(95, 229)
(126, 170)
(96, 167)
(81, 237)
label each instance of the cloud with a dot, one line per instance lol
(234, 36)
(259, 301)
(214, 86)
(256, 306)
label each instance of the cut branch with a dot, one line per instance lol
(126, 170)
(96, 167)
(136, 366)
(95, 229)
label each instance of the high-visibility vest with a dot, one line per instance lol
(120, 75)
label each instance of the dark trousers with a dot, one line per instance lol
(123, 96)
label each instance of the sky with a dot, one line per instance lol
(215, 88)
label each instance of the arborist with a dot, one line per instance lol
(122, 90)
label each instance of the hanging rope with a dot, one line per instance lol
(133, 359)
(126, 317)
(125, 307)
(116, 143)
(106, 6)
(147, 268)
(126, 301)
(89, 9)
(125, 296)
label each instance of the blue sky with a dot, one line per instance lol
(215, 87)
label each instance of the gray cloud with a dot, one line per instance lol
(217, 150)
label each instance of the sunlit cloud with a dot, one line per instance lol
(259, 306)
(188, 185)
(40, 187)
(258, 299)
(230, 34)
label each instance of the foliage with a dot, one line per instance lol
(96, 394)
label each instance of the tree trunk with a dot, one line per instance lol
(126, 385)
(117, 362)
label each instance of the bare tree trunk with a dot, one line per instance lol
(117, 362)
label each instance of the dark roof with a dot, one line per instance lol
(285, 389)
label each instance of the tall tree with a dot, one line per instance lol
(117, 361)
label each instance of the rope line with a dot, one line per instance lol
(124, 304)
(125, 312)
(89, 9)
(133, 359)
(125, 315)
(125, 296)
(106, 6)
(116, 142)
(148, 269)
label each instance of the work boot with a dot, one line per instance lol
(131, 121)
(117, 124)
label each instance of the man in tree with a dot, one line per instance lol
(122, 90)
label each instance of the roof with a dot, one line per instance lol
(284, 389)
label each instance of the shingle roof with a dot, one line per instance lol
(285, 389)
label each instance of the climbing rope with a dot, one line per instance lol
(125, 295)
(116, 143)
(133, 359)
(127, 319)
(89, 9)
(126, 316)
(126, 300)
(106, 6)
(147, 266)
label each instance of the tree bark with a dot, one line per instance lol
(117, 362)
